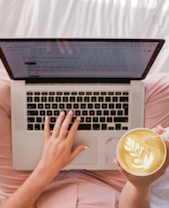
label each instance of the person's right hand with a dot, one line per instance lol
(57, 152)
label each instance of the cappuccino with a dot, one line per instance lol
(141, 151)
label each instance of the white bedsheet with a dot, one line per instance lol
(93, 18)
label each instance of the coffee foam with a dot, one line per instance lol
(141, 152)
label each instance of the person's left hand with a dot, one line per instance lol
(145, 180)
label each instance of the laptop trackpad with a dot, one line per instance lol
(88, 156)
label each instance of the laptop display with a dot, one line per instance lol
(83, 58)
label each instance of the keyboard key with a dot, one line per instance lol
(53, 119)
(29, 99)
(124, 99)
(31, 106)
(47, 106)
(40, 106)
(72, 99)
(79, 99)
(104, 127)
(54, 106)
(118, 126)
(96, 126)
(31, 119)
(109, 119)
(120, 119)
(37, 127)
(88, 119)
(97, 105)
(95, 119)
(86, 99)
(30, 127)
(104, 105)
(39, 119)
(58, 99)
(43, 99)
(32, 113)
(102, 119)
(114, 99)
(42, 113)
(84, 126)
(65, 99)
(36, 99)
(51, 99)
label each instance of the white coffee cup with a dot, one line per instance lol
(141, 151)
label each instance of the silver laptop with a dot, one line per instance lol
(99, 79)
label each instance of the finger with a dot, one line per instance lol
(121, 170)
(73, 130)
(78, 150)
(60, 45)
(117, 164)
(58, 124)
(65, 125)
(47, 132)
(160, 129)
(67, 46)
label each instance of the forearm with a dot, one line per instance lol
(28, 193)
(132, 197)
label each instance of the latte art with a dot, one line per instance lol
(142, 157)
(141, 151)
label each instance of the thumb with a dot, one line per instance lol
(78, 150)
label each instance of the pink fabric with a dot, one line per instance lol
(157, 100)
(77, 189)
(80, 188)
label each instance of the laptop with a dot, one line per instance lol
(99, 79)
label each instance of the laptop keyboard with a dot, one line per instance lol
(97, 110)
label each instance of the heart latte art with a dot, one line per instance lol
(141, 152)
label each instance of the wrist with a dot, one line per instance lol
(43, 174)
(141, 189)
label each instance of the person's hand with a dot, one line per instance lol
(64, 46)
(68, 47)
(57, 152)
(139, 181)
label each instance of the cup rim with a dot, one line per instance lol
(152, 131)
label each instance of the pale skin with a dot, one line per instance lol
(58, 150)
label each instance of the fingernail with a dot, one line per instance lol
(86, 147)
(70, 112)
(78, 118)
(62, 113)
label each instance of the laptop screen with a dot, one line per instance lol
(79, 58)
